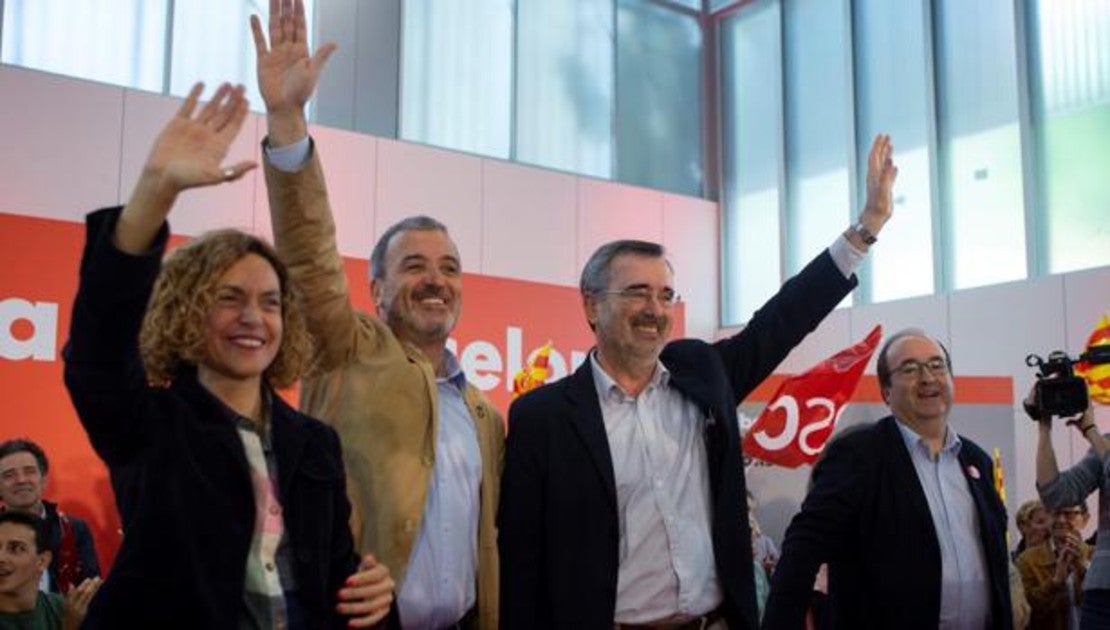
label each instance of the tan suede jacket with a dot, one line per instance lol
(378, 393)
(1048, 602)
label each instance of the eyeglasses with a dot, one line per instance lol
(916, 369)
(642, 295)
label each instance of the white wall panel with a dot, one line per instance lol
(928, 313)
(691, 236)
(999, 325)
(61, 144)
(528, 223)
(992, 330)
(416, 179)
(608, 211)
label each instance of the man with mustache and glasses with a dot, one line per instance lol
(905, 513)
(623, 495)
(422, 447)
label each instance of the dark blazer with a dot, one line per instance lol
(87, 563)
(180, 473)
(558, 525)
(867, 517)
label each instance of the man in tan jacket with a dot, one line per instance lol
(422, 447)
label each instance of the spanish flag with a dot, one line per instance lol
(1097, 376)
(534, 374)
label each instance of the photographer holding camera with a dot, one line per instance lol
(1060, 490)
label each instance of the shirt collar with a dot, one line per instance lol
(242, 422)
(453, 370)
(952, 441)
(607, 388)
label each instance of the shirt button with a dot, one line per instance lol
(428, 461)
(270, 567)
(275, 509)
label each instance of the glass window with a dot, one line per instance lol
(121, 42)
(564, 106)
(818, 120)
(892, 97)
(212, 42)
(1072, 63)
(752, 140)
(456, 74)
(659, 97)
(980, 142)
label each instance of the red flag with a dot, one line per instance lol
(807, 406)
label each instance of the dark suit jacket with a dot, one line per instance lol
(558, 524)
(867, 517)
(180, 473)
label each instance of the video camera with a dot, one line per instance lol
(1059, 392)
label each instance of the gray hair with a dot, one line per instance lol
(596, 274)
(419, 222)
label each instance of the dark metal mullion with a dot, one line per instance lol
(863, 291)
(940, 198)
(167, 60)
(1030, 129)
(514, 73)
(711, 106)
(783, 189)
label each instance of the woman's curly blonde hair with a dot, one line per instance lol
(173, 331)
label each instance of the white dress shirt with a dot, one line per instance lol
(667, 571)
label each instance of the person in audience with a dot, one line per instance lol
(904, 511)
(1018, 601)
(764, 554)
(1052, 572)
(24, 559)
(233, 504)
(1069, 489)
(1078, 517)
(763, 548)
(23, 470)
(423, 446)
(1035, 524)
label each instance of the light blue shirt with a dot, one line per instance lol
(667, 571)
(440, 581)
(291, 157)
(965, 598)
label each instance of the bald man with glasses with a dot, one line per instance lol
(905, 513)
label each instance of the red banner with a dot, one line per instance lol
(793, 428)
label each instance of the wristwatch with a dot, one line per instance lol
(865, 234)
